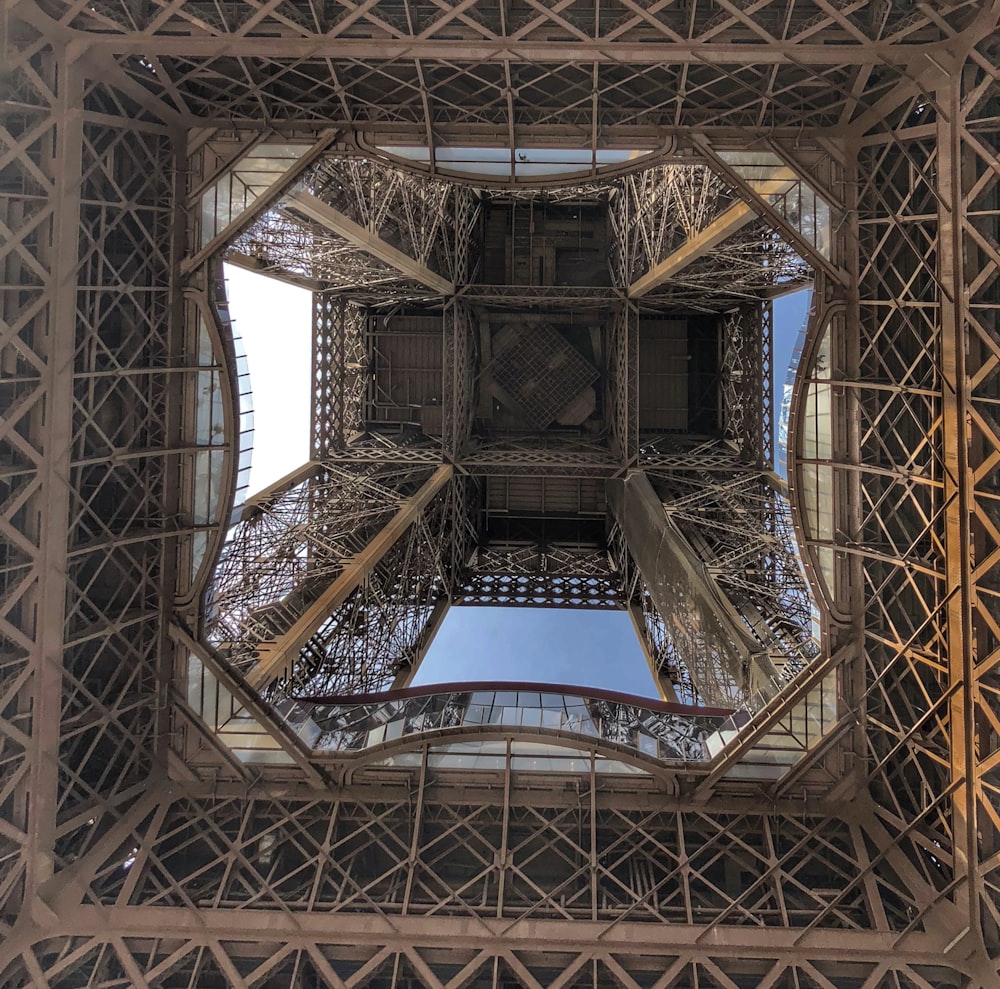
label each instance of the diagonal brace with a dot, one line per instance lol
(725, 225)
(276, 655)
(335, 221)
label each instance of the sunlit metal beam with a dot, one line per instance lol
(335, 221)
(725, 225)
(274, 656)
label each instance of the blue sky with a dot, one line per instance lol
(587, 648)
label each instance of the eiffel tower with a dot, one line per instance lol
(544, 240)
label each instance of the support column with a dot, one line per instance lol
(958, 494)
(65, 167)
(701, 622)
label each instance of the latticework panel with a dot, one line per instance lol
(410, 213)
(548, 576)
(375, 634)
(413, 849)
(289, 247)
(901, 524)
(122, 869)
(654, 211)
(285, 554)
(29, 251)
(278, 958)
(744, 383)
(339, 362)
(95, 377)
(741, 529)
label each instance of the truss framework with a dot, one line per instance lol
(896, 887)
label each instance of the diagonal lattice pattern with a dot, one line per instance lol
(889, 883)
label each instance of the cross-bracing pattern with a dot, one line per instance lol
(286, 554)
(911, 551)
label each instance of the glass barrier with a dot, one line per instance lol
(796, 201)
(814, 458)
(241, 186)
(523, 164)
(652, 729)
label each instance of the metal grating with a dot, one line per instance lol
(537, 371)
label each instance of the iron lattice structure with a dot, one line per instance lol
(137, 847)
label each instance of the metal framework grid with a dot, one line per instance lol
(886, 875)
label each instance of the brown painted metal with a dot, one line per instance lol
(133, 852)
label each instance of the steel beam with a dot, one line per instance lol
(677, 580)
(513, 50)
(275, 656)
(550, 937)
(335, 221)
(723, 226)
(959, 489)
(60, 253)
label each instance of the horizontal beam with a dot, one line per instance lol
(260, 267)
(263, 928)
(723, 226)
(335, 221)
(276, 654)
(379, 48)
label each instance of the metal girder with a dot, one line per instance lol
(277, 654)
(958, 490)
(343, 226)
(610, 869)
(722, 227)
(674, 574)
(49, 598)
(504, 49)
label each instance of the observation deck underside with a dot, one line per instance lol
(544, 241)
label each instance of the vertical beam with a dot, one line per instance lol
(418, 817)
(275, 656)
(959, 485)
(66, 166)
